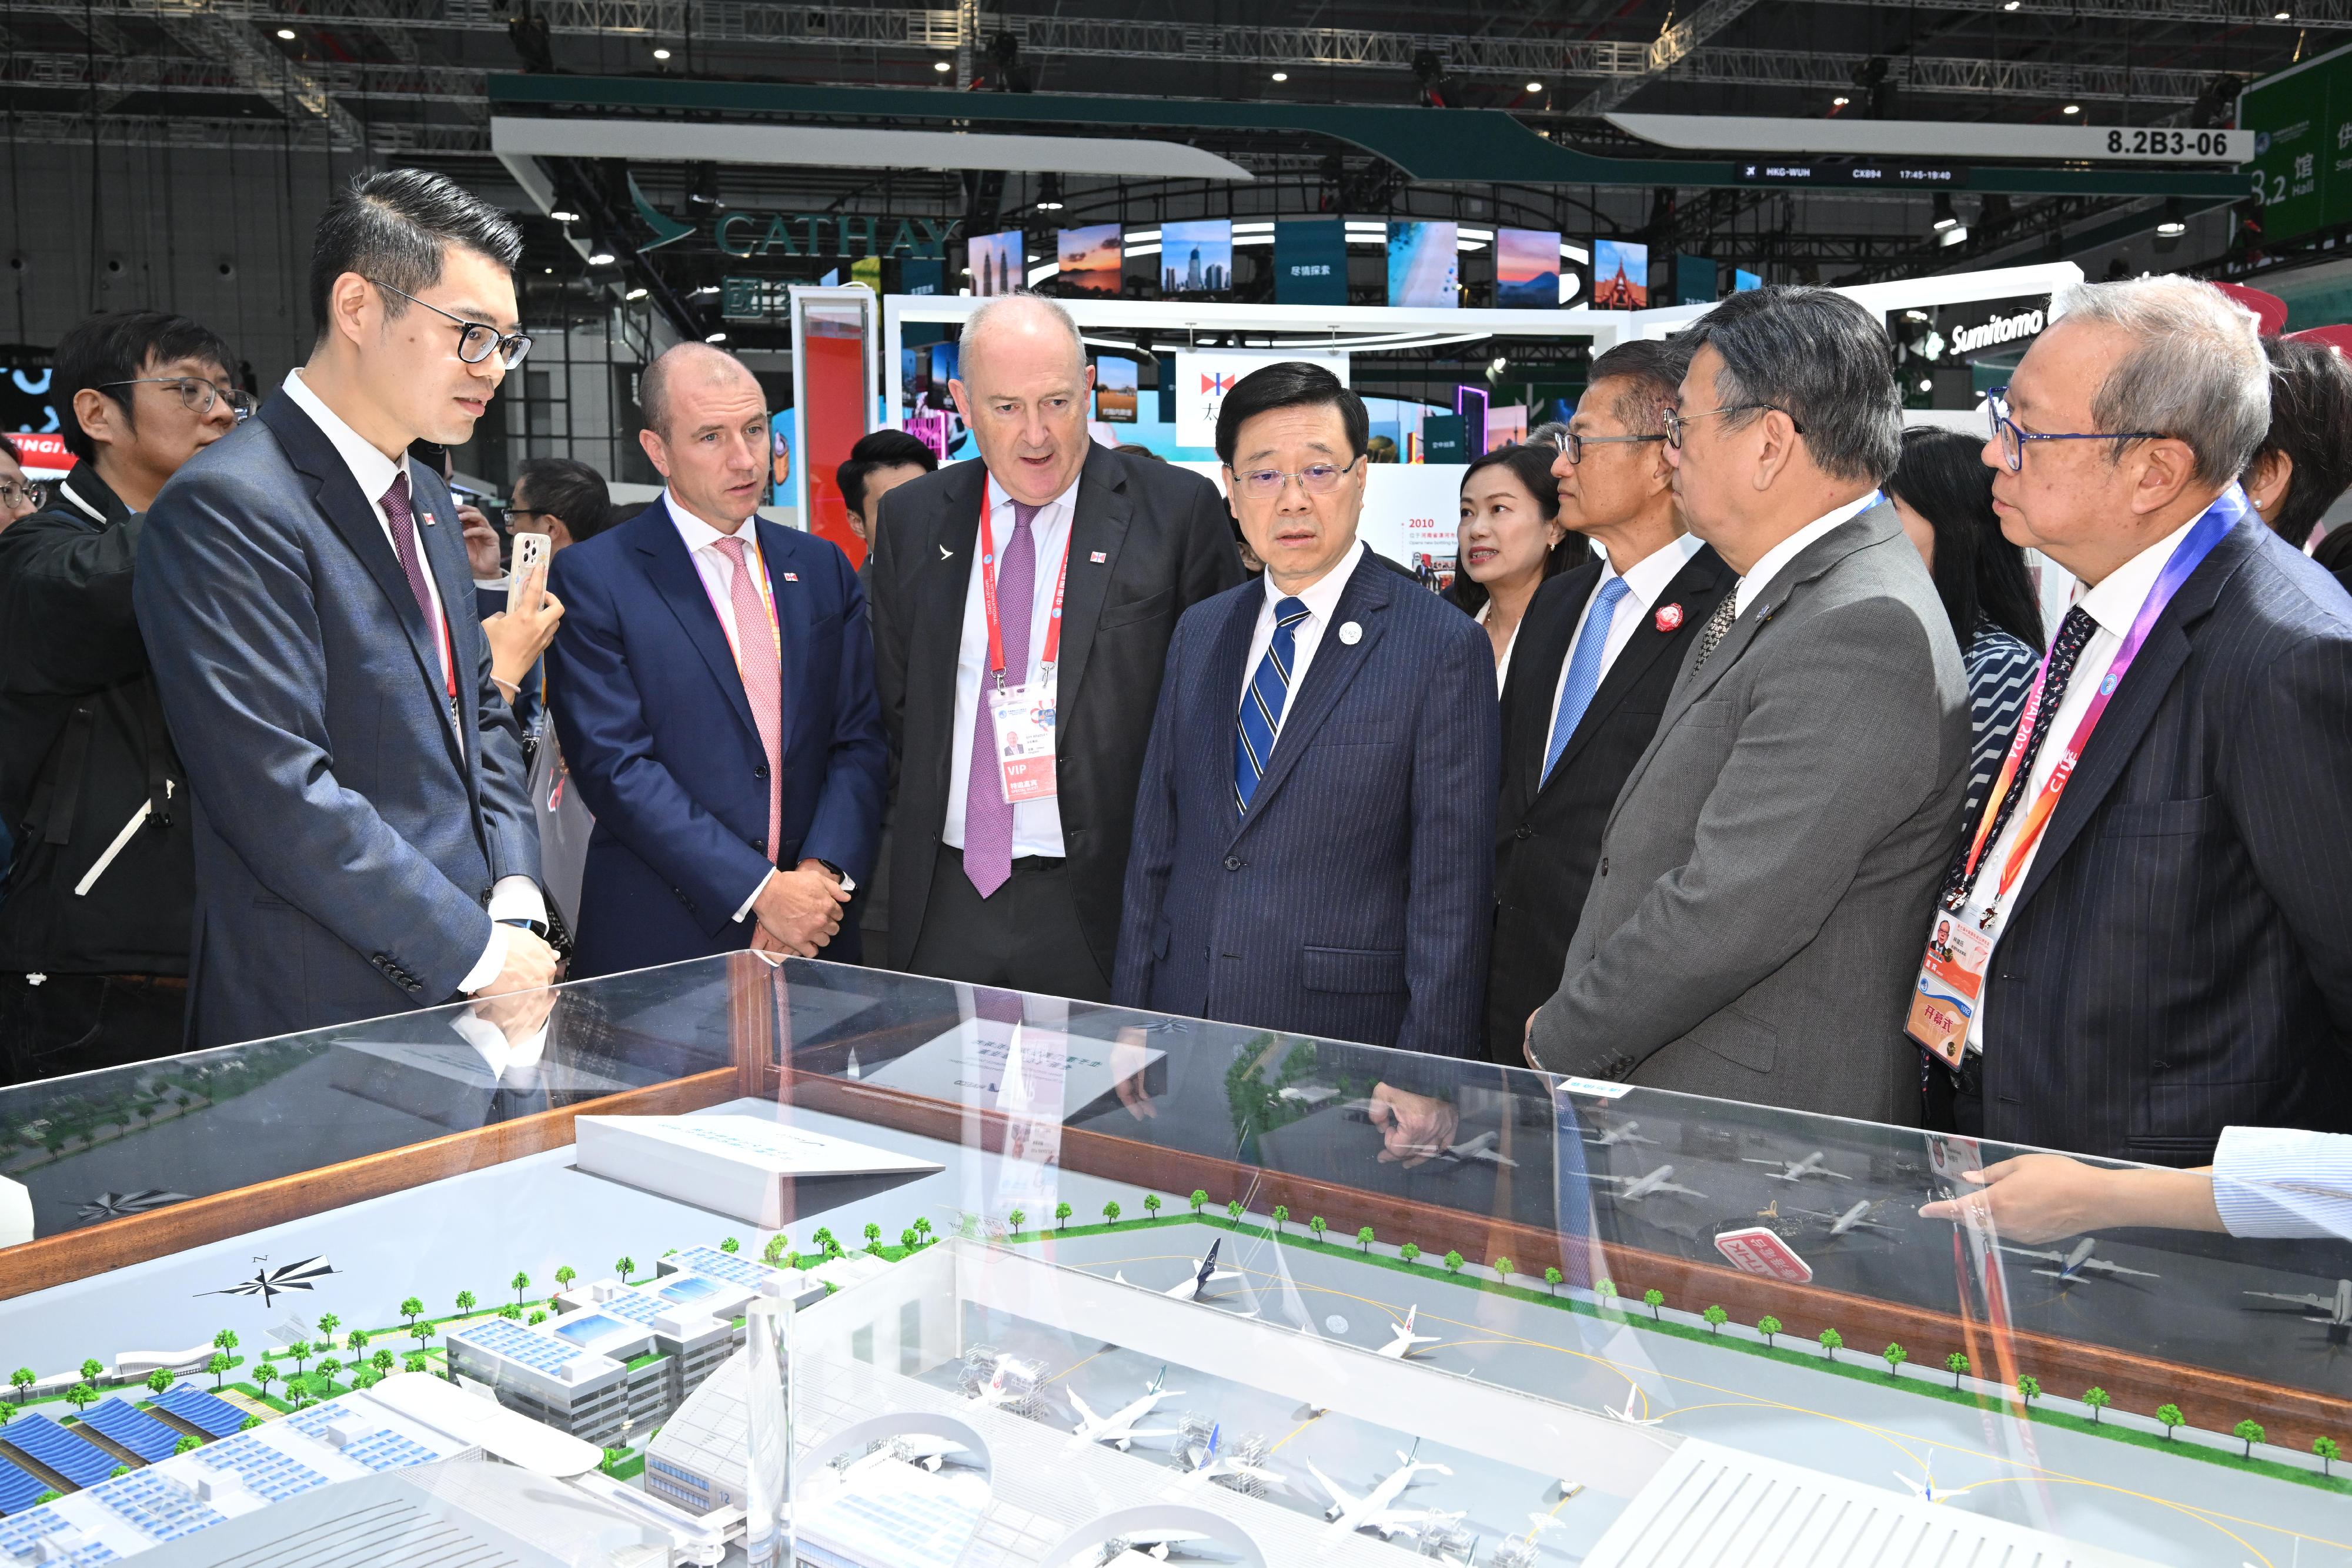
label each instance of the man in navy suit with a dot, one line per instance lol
(1314, 839)
(713, 687)
(2164, 879)
(363, 842)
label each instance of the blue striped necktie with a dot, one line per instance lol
(1260, 713)
(1584, 671)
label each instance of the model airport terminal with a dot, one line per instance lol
(1021, 1335)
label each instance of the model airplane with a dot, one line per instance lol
(1923, 1487)
(1568, 1489)
(1375, 1509)
(1798, 1170)
(1118, 1429)
(1623, 1132)
(2072, 1266)
(1855, 1218)
(1195, 1286)
(1400, 1347)
(1657, 1181)
(1633, 1393)
(996, 1390)
(271, 1283)
(1481, 1147)
(921, 1450)
(2335, 1310)
(1212, 1465)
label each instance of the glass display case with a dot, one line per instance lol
(1077, 1285)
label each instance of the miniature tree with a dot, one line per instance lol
(1654, 1299)
(1604, 1291)
(1017, 1219)
(872, 1236)
(158, 1380)
(1552, 1277)
(2168, 1417)
(1110, 1212)
(300, 1351)
(326, 1369)
(1317, 1226)
(1453, 1262)
(519, 1284)
(1151, 1204)
(2029, 1386)
(356, 1340)
(613, 1458)
(1956, 1363)
(1831, 1341)
(1199, 1199)
(2249, 1432)
(908, 1241)
(2328, 1453)
(249, 1423)
(772, 1255)
(1895, 1356)
(825, 1241)
(219, 1367)
(564, 1275)
(1233, 1210)
(327, 1324)
(413, 1363)
(625, 1268)
(1281, 1217)
(1364, 1240)
(49, 1495)
(537, 1317)
(382, 1361)
(2098, 1400)
(412, 1309)
(92, 1369)
(1505, 1268)
(1062, 1212)
(226, 1340)
(118, 1470)
(1409, 1252)
(8, 1413)
(1714, 1317)
(466, 1300)
(80, 1396)
(509, 1311)
(264, 1375)
(21, 1379)
(421, 1332)
(731, 1246)
(922, 1227)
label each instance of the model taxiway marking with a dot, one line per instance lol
(1891, 1437)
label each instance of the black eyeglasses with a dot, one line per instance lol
(1675, 419)
(1573, 442)
(476, 340)
(196, 394)
(2013, 440)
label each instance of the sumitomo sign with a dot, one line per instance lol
(1987, 327)
(1972, 340)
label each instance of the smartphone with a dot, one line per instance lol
(530, 553)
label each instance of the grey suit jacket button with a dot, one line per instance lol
(1233, 862)
(1524, 831)
(1604, 865)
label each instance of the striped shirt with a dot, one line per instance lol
(2000, 669)
(2275, 1181)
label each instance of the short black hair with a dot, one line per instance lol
(1652, 370)
(571, 490)
(9, 448)
(1293, 383)
(392, 228)
(119, 346)
(1819, 358)
(1530, 463)
(1980, 575)
(2311, 410)
(875, 450)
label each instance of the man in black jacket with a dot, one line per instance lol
(94, 929)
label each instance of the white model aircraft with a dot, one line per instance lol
(1657, 1181)
(998, 1389)
(1118, 1427)
(2335, 1310)
(1194, 1286)
(1481, 1147)
(1798, 1170)
(1623, 1132)
(922, 1450)
(1633, 1393)
(1400, 1347)
(1568, 1489)
(1375, 1509)
(1923, 1486)
(2072, 1266)
(1857, 1217)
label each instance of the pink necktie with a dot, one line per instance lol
(987, 814)
(764, 680)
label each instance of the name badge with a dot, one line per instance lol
(1945, 998)
(1023, 717)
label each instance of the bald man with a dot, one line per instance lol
(714, 696)
(1006, 871)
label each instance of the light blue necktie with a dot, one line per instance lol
(1583, 672)
(1261, 712)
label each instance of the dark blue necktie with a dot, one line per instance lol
(1260, 715)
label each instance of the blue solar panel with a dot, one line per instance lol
(79, 1461)
(18, 1488)
(19, 1535)
(535, 1350)
(163, 1508)
(134, 1430)
(266, 1472)
(727, 1266)
(387, 1450)
(637, 1309)
(213, 1417)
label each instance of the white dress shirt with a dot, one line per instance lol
(1645, 581)
(1037, 824)
(2278, 1181)
(1322, 597)
(2113, 604)
(514, 897)
(1503, 665)
(1768, 565)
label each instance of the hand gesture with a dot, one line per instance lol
(799, 911)
(1414, 1128)
(481, 542)
(519, 634)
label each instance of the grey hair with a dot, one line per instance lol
(1821, 358)
(2194, 371)
(1017, 299)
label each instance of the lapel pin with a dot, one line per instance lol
(946, 554)
(1351, 633)
(428, 519)
(791, 577)
(1668, 617)
(1097, 556)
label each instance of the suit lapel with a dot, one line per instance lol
(791, 625)
(444, 544)
(1693, 590)
(941, 583)
(1327, 677)
(1228, 658)
(352, 514)
(1098, 530)
(2134, 706)
(669, 565)
(1864, 528)
(1544, 638)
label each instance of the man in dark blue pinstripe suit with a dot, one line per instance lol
(1313, 844)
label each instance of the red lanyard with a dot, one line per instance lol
(988, 600)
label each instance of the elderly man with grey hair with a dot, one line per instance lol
(1755, 918)
(1023, 604)
(2159, 892)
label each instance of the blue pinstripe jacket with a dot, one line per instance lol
(1354, 901)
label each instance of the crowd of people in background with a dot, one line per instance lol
(1747, 752)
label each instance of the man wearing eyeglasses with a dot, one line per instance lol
(364, 841)
(94, 929)
(1756, 919)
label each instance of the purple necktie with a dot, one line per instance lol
(987, 814)
(403, 544)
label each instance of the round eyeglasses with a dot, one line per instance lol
(1574, 441)
(2013, 440)
(196, 394)
(1316, 479)
(1676, 421)
(32, 494)
(476, 340)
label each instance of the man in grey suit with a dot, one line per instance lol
(363, 840)
(1753, 926)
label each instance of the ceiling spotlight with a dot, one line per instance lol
(2008, 5)
(707, 288)
(2072, 108)
(600, 258)
(636, 293)
(2280, 14)
(1840, 101)
(288, 33)
(716, 337)
(661, 54)
(1944, 216)
(1957, 234)
(1282, 75)
(1535, 86)
(563, 214)
(1049, 193)
(943, 66)
(2174, 224)
(1927, 383)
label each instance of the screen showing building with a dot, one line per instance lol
(1196, 258)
